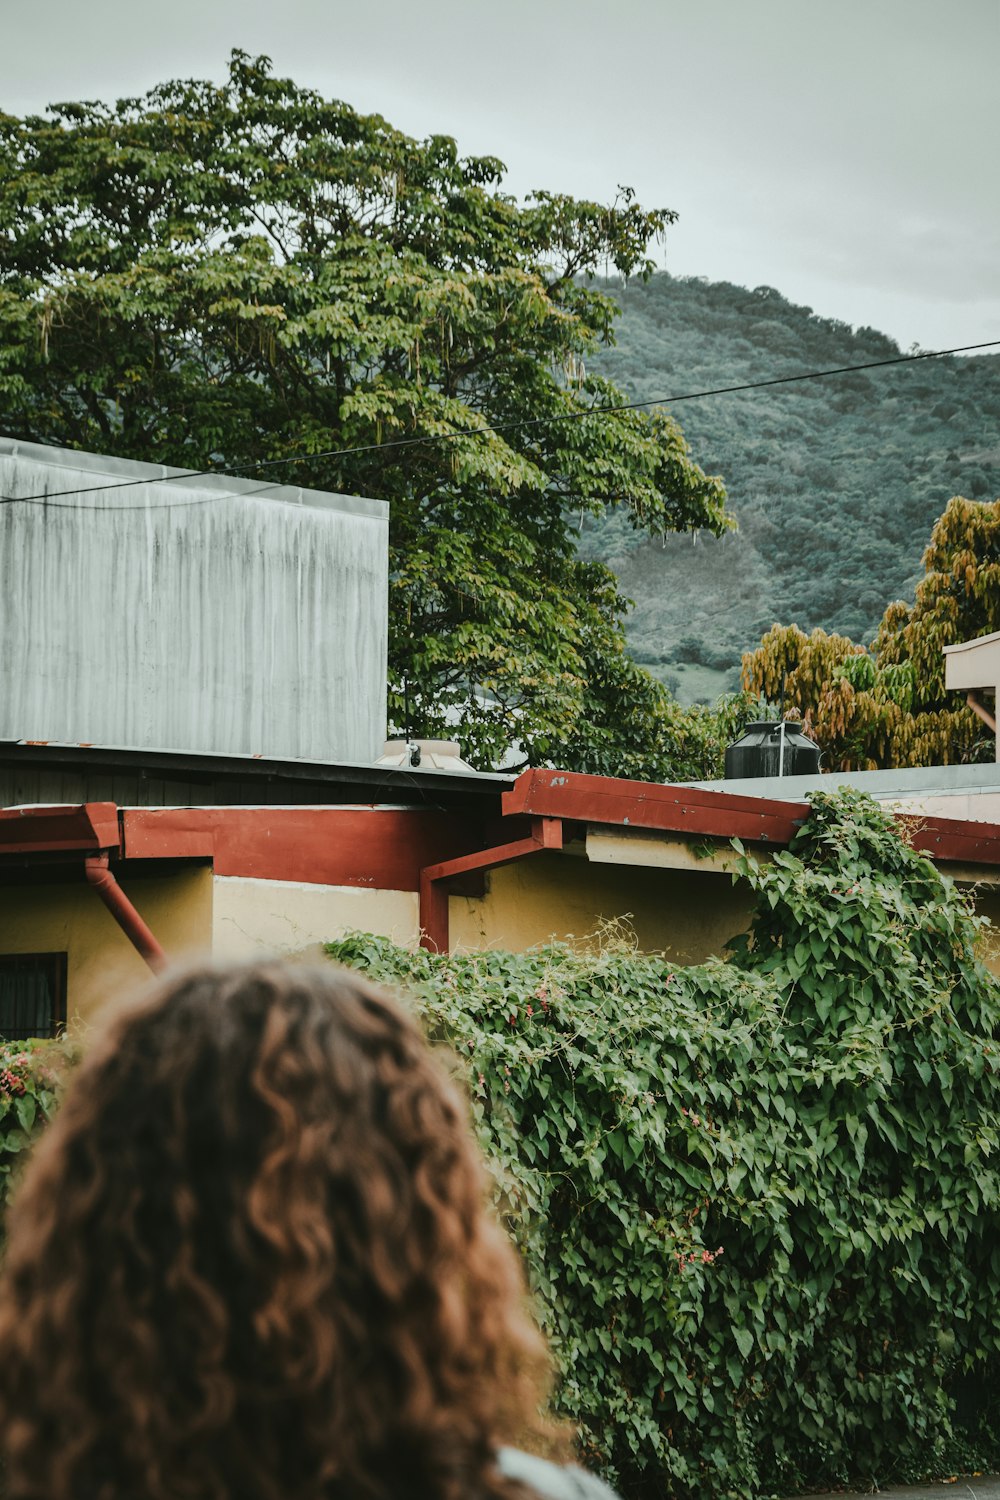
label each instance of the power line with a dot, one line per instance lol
(520, 424)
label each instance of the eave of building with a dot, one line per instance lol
(388, 845)
(245, 779)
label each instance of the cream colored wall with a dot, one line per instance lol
(987, 902)
(685, 914)
(284, 916)
(101, 961)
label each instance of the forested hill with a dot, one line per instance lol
(835, 483)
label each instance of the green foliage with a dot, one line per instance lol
(240, 274)
(758, 1200)
(835, 483)
(31, 1076)
(891, 707)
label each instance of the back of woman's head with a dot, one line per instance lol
(250, 1260)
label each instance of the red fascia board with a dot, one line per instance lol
(639, 804)
(168, 832)
(55, 830)
(954, 840)
(380, 848)
(692, 810)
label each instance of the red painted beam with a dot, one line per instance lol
(546, 833)
(953, 840)
(56, 830)
(383, 848)
(639, 804)
(694, 811)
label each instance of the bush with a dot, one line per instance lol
(757, 1200)
(31, 1079)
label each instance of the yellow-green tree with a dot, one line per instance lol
(888, 705)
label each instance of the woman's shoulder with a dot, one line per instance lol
(552, 1481)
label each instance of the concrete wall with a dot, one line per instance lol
(194, 614)
(284, 916)
(688, 916)
(101, 961)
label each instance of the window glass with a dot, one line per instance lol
(32, 995)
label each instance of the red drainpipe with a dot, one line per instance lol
(546, 833)
(124, 913)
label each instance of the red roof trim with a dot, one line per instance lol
(694, 811)
(386, 848)
(383, 848)
(640, 804)
(89, 826)
(954, 839)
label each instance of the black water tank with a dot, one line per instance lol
(758, 752)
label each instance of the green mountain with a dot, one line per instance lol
(835, 483)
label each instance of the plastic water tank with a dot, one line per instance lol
(758, 752)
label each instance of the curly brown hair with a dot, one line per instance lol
(251, 1260)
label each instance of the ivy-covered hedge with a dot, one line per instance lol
(758, 1200)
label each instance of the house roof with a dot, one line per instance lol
(885, 786)
(973, 664)
(44, 773)
(973, 645)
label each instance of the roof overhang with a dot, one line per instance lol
(90, 828)
(973, 664)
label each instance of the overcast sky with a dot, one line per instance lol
(843, 151)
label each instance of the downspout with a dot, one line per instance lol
(128, 919)
(546, 833)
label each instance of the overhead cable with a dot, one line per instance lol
(519, 424)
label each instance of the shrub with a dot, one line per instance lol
(31, 1078)
(758, 1200)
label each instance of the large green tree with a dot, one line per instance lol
(227, 275)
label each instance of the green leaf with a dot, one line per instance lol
(744, 1341)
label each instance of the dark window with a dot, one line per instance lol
(32, 995)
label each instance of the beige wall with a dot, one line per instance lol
(101, 961)
(689, 916)
(284, 916)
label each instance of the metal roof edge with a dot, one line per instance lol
(128, 469)
(980, 640)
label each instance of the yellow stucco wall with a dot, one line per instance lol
(685, 914)
(284, 916)
(101, 961)
(690, 915)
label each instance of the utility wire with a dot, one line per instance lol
(521, 424)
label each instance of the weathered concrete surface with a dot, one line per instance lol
(196, 614)
(983, 1487)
